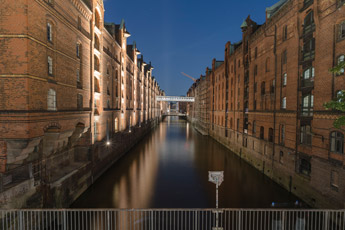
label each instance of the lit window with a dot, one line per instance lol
(49, 32)
(337, 142)
(284, 103)
(50, 65)
(51, 100)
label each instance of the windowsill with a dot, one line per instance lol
(334, 188)
(304, 176)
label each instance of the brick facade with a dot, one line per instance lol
(266, 98)
(68, 82)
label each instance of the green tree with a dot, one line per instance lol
(339, 102)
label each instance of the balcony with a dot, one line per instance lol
(307, 83)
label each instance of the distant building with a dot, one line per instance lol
(266, 98)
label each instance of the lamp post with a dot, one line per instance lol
(216, 177)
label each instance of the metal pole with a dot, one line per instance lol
(217, 205)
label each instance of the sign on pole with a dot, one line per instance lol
(216, 177)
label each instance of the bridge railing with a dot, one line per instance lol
(173, 219)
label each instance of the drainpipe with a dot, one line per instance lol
(275, 92)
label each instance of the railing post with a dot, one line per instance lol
(283, 220)
(20, 215)
(64, 220)
(239, 219)
(152, 220)
(326, 220)
(108, 220)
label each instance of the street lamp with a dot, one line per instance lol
(216, 177)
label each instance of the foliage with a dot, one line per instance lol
(339, 103)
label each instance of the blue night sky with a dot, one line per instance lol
(183, 35)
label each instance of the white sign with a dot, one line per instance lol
(216, 177)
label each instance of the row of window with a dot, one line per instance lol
(52, 103)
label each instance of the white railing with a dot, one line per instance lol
(172, 219)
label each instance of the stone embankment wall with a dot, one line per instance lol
(57, 181)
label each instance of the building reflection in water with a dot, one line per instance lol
(169, 169)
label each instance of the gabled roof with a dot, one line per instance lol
(270, 11)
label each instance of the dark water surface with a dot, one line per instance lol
(169, 169)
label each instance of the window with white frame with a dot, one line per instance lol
(284, 103)
(307, 105)
(50, 65)
(284, 79)
(49, 32)
(309, 73)
(341, 30)
(51, 100)
(337, 142)
(341, 60)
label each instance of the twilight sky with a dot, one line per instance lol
(183, 35)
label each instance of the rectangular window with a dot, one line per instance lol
(50, 65)
(49, 32)
(78, 50)
(270, 135)
(285, 33)
(342, 30)
(307, 105)
(284, 103)
(79, 102)
(282, 134)
(284, 57)
(284, 79)
(281, 156)
(306, 134)
(334, 179)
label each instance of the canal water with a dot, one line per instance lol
(169, 169)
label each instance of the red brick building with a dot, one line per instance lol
(68, 83)
(266, 98)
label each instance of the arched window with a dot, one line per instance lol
(97, 20)
(51, 100)
(341, 60)
(267, 64)
(337, 142)
(255, 70)
(97, 65)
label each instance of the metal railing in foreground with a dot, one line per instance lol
(173, 219)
